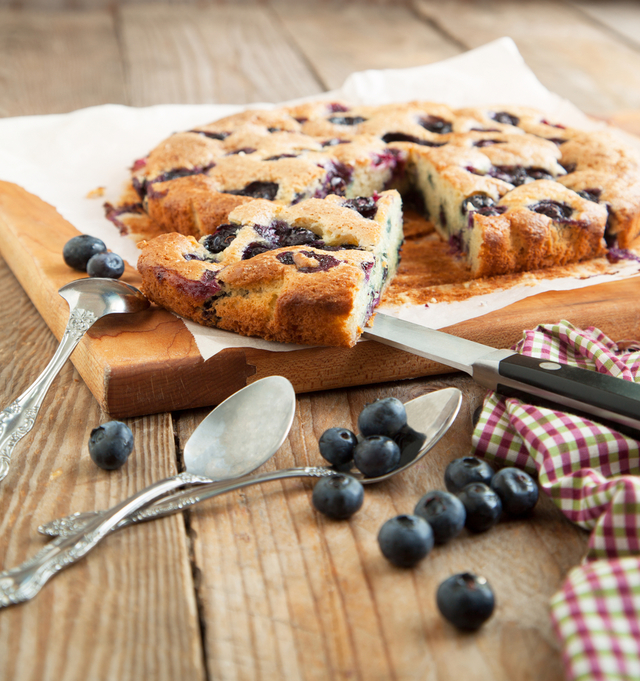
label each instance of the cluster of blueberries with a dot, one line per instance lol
(89, 254)
(476, 498)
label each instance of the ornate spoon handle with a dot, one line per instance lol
(178, 500)
(18, 418)
(25, 581)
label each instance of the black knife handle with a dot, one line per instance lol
(591, 391)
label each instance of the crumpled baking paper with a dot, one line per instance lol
(62, 158)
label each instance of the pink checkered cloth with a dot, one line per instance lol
(589, 472)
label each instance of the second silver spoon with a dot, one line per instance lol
(429, 417)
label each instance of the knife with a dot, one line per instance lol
(510, 373)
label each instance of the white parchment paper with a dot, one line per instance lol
(62, 158)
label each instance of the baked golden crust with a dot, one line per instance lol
(507, 188)
(537, 223)
(310, 273)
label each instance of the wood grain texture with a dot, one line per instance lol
(220, 54)
(621, 16)
(56, 62)
(289, 594)
(126, 612)
(568, 53)
(339, 38)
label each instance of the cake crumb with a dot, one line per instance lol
(96, 193)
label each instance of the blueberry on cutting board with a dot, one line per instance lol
(80, 249)
(108, 265)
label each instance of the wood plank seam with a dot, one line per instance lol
(197, 584)
(191, 538)
(293, 44)
(116, 13)
(601, 26)
(436, 26)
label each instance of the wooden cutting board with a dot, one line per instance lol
(149, 363)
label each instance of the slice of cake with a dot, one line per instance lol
(310, 273)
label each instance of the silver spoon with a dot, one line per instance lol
(251, 424)
(428, 419)
(89, 300)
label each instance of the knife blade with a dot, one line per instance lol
(508, 372)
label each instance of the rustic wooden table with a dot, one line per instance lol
(256, 585)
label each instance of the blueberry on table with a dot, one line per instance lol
(405, 540)
(109, 265)
(382, 417)
(465, 600)
(337, 445)
(482, 505)
(376, 455)
(462, 472)
(517, 490)
(110, 445)
(80, 249)
(444, 512)
(338, 496)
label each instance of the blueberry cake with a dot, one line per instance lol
(309, 273)
(286, 223)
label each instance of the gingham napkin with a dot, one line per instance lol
(589, 471)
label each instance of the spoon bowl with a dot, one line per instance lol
(89, 300)
(103, 296)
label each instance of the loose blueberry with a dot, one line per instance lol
(444, 512)
(337, 445)
(80, 249)
(405, 540)
(385, 416)
(109, 265)
(465, 600)
(110, 445)
(517, 490)
(338, 496)
(461, 472)
(376, 455)
(482, 505)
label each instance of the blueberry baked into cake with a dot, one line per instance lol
(287, 223)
